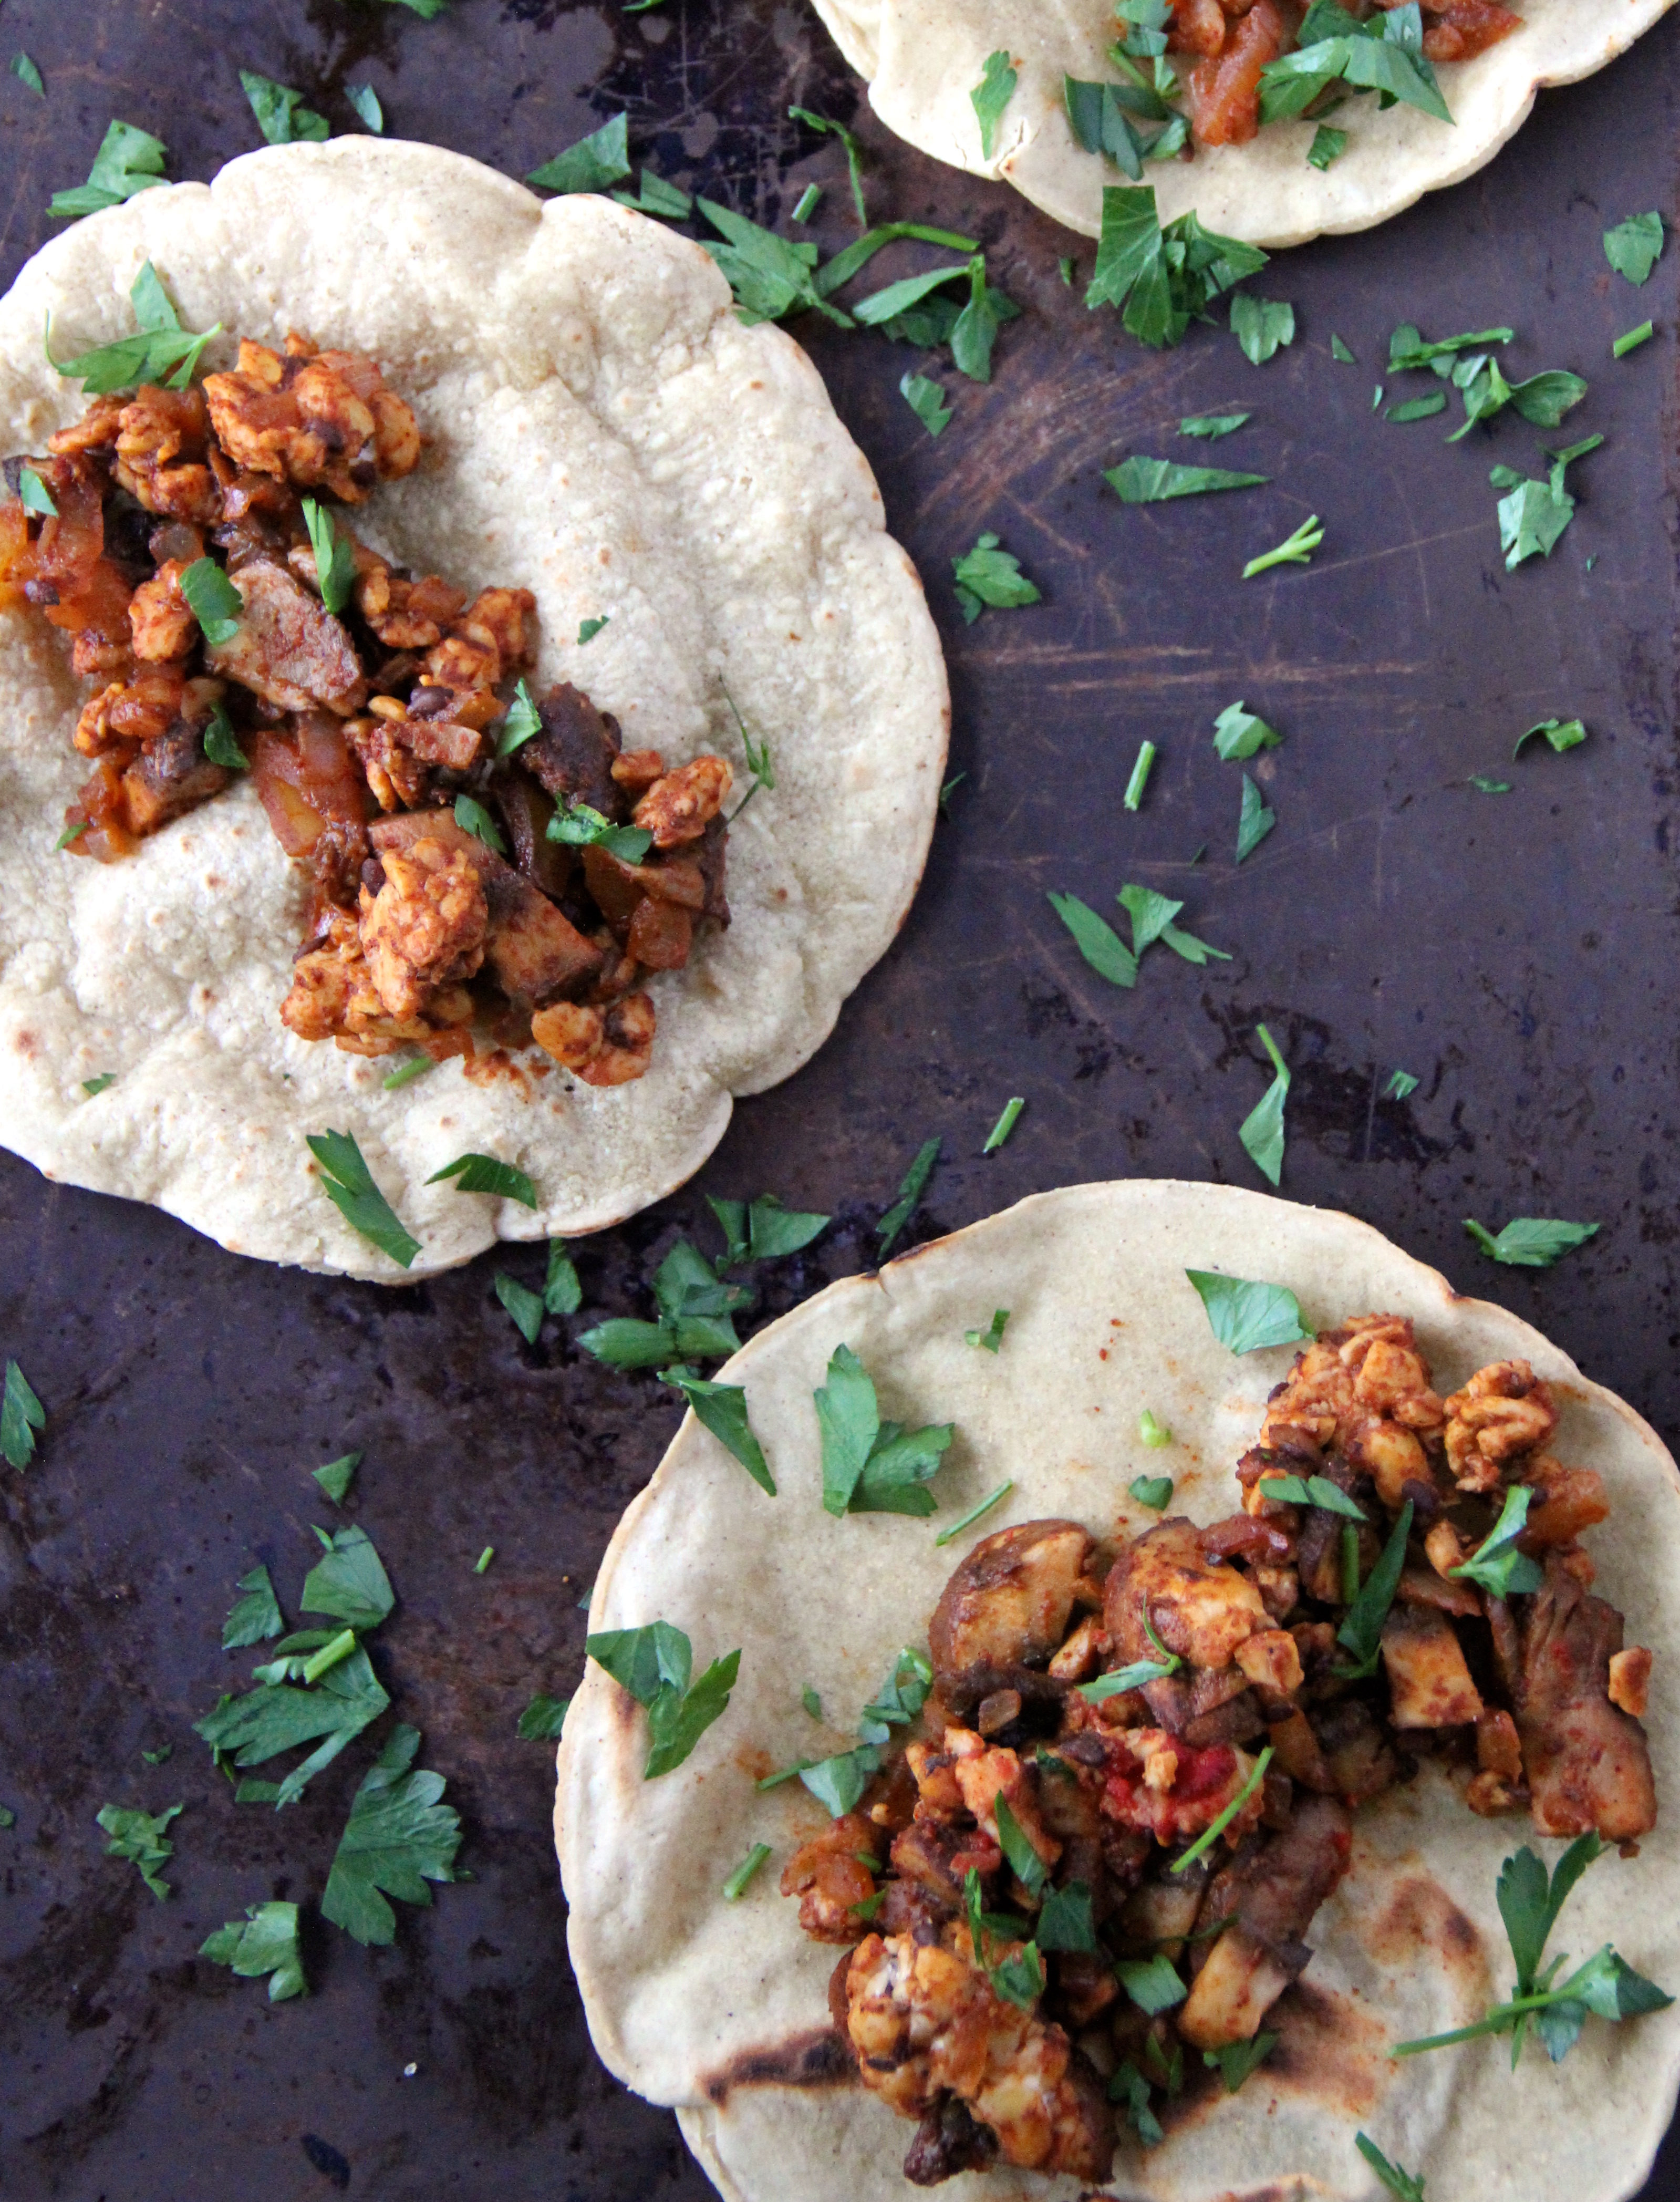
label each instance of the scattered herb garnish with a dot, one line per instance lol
(471, 816)
(1497, 1564)
(1400, 1084)
(1101, 119)
(483, 1174)
(580, 826)
(1384, 55)
(993, 93)
(696, 1318)
(990, 1339)
(365, 101)
(1137, 1676)
(97, 1085)
(948, 791)
(1005, 1124)
(1261, 1131)
(1560, 734)
(1260, 325)
(1141, 767)
(1529, 1242)
(1533, 515)
(255, 1617)
(854, 146)
(869, 1466)
(562, 1293)
(1634, 246)
(1485, 785)
(654, 1664)
(215, 604)
(909, 1194)
(722, 1409)
(1419, 409)
(335, 561)
(1212, 426)
(1127, 2085)
(1606, 1984)
(280, 113)
(1154, 481)
(656, 197)
(1631, 339)
(1361, 1631)
(1238, 2060)
(1215, 1828)
(335, 1478)
(26, 72)
(21, 1415)
(988, 575)
(348, 1583)
(1064, 1921)
(1154, 1434)
(1403, 2185)
(985, 1505)
(397, 1838)
(139, 1837)
(1154, 1492)
(1340, 351)
(838, 1782)
(1153, 1983)
(1327, 145)
(347, 1183)
(34, 495)
(1254, 820)
(1311, 1491)
(1151, 916)
(1247, 1316)
(483, 1559)
(1238, 732)
(736, 1887)
(1295, 550)
(812, 1703)
(221, 743)
(521, 724)
(129, 160)
(926, 400)
(1097, 941)
(1024, 1863)
(525, 1307)
(771, 276)
(595, 163)
(264, 1942)
(588, 629)
(763, 1230)
(543, 1720)
(1161, 279)
(406, 1072)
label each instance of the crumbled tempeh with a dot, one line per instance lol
(425, 927)
(317, 420)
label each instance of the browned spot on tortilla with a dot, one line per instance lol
(756, 1763)
(24, 1042)
(625, 1708)
(815, 2058)
(1327, 2048)
(1419, 1916)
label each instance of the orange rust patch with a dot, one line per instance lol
(815, 2058)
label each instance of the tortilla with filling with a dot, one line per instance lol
(602, 431)
(720, 2009)
(923, 57)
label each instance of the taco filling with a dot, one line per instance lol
(475, 858)
(1095, 1877)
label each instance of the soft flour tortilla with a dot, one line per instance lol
(923, 57)
(714, 2007)
(606, 433)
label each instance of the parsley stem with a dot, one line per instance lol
(1350, 1562)
(1209, 1835)
(1140, 776)
(735, 1887)
(1496, 2021)
(844, 265)
(803, 212)
(329, 1655)
(971, 1517)
(1631, 341)
(1005, 1124)
(1296, 550)
(416, 1066)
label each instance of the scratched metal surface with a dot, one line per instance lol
(1515, 953)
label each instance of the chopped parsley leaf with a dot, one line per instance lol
(1312, 1491)
(1238, 2060)
(34, 495)
(1154, 481)
(1561, 734)
(1161, 279)
(1384, 55)
(1005, 1124)
(1260, 325)
(525, 1307)
(1239, 732)
(588, 629)
(1098, 117)
(909, 1194)
(335, 561)
(1142, 766)
(1401, 1083)
(869, 1466)
(129, 161)
(1530, 1242)
(542, 1720)
(264, 1942)
(1327, 145)
(1403, 2185)
(139, 1837)
(993, 93)
(968, 1519)
(335, 1478)
(26, 72)
(1484, 785)
(1419, 409)
(1361, 1629)
(255, 1617)
(398, 1837)
(722, 1409)
(365, 101)
(562, 1293)
(98, 1084)
(347, 1183)
(348, 1583)
(485, 1173)
(472, 817)
(215, 602)
(989, 575)
(812, 1703)
(1151, 916)
(1212, 426)
(696, 1318)
(1634, 245)
(854, 146)
(656, 197)
(1154, 1492)
(1295, 550)
(926, 400)
(1064, 1921)
(771, 276)
(580, 826)
(1247, 1316)
(1631, 340)
(838, 1782)
(280, 113)
(595, 163)
(654, 1664)
(1154, 1434)
(736, 1887)
(1339, 350)
(1496, 1565)
(521, 724)
(1261, 1131)
(1254, 822)
(1408, 349)
(1153, 1983)
(1097, 941)
(1127, 2085)
(221, 743)
(21, 1415)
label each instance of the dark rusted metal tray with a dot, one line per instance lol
(1516, 953)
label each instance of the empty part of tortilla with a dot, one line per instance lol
(725, 2009)
(923, 59)
(627, 542)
